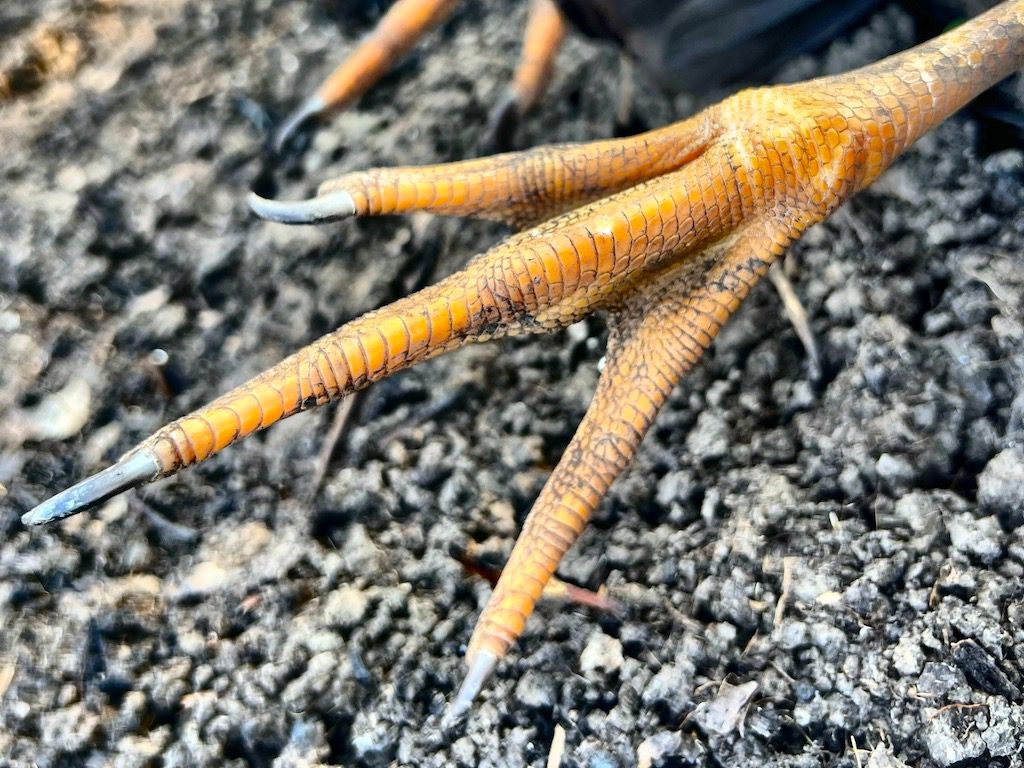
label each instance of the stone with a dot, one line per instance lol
(602, 655)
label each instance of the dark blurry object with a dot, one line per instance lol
(693, 45)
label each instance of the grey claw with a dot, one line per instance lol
(481, 668)
(329, 207)
(134, 469)
(312, 106)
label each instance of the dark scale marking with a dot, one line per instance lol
(188, 441)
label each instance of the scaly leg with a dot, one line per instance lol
(666, 326)
(654, 339)
(400, 29)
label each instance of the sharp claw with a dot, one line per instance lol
(502, 123)
(312, 106)
(135, 469)
(480, 669)
(329, 207)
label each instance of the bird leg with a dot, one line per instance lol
(670, 259)
(398, 31)
(654, 338)
(545, 31)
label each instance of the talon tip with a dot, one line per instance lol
(315, 210)
(480, 668)
(135, 469)
(312, 106)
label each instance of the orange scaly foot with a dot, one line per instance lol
(705, 207)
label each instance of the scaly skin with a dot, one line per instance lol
(705, 207)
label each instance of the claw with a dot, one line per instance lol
(480, 669)
(311, 107)
(330, 207)
(502, 124)
(134, 469)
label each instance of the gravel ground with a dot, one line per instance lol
(812, 572)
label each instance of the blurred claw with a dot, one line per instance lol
(135, 469)
(502, 124)
(329, 207)
(311, 107)
(480, 669)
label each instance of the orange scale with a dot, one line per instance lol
(387, 198)
(407, 195)
(200, 439)
(838, 123)
(226, 426)
(271, 404)
(890, 101)
(440, 323)
(399, 338)
(459, 312)
(460, 191)
(443, 191)
(250, 412)
(537, 269)
(571, 265)
(419, 330)
(361, 201)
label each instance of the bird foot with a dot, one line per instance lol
(666, 232)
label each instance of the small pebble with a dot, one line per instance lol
(896, 471)
(602, 655)
(205, 578)
(536, 690)
(907, 657)
(1001, 483)
(657, 747)
(708, 441)
(668, 692)
(949, 739)
(345, 607)
(978, 539)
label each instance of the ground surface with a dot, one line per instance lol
(852, 547)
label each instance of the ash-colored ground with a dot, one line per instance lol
(814, 573)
